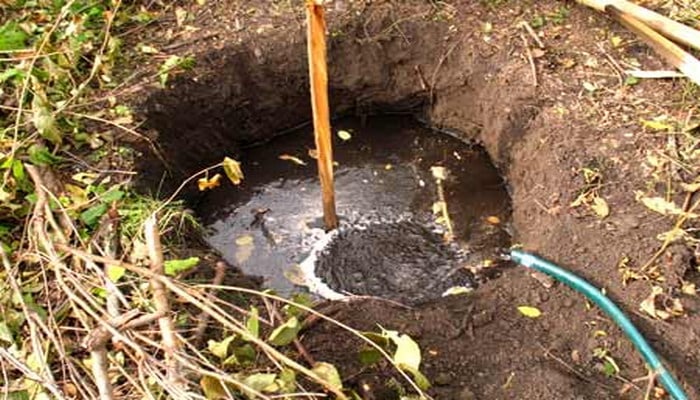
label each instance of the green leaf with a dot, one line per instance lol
(286, 333)
(115, 273)
(6, 334)
(287, 381)
(43, 119)
(93, 214)
(220, 349)
(245, 354)
(407, 350)
(12, 37)
(302, 299)
(19, 395)
(418, 377)
(174, 267)
(530, 312)
(369, 356)
(261, 382)
(377, 338)
(171, 64)
(18, 170)
(11, 73)
(329, 373)
(112, 196)
(631, 80)
(253, 323)
(40, 155)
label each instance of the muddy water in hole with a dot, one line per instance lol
(383, 179)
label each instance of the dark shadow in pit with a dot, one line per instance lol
(242, 95)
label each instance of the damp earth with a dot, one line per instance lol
(390, 243)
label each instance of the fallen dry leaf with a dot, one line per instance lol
(209, 183)
(344, 135)
(600, 207)
(530, 312)
(660, 305)
(295, 160)
(493, 220)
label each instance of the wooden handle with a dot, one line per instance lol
(674, 30)
(670, 51)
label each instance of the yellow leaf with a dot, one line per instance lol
(245, 240)
(209, 183)
(493, 220)
(689, 289)
(530, 312)
(663, 206)
(439, 173)
(616, 41)
(457, 290)
(581, 199)
(691, 187)
(345, 135)
(600, 207)
(657, 124)
(388, 167)
(296, 275)
(295, 160)
(671, 236)
(233, 171)
(213, 388)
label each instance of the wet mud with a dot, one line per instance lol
(390, 243)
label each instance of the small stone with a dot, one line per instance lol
(629, 222)
(442, 379)
(466, 394)
(543, 297)
(568, 303)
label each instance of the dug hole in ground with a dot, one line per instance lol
(575, 137)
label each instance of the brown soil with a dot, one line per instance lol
(250, 84)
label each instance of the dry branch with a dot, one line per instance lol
(204, 318)
(160, 299)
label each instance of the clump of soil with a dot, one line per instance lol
(442, 64)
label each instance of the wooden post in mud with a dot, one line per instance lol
(318, 76)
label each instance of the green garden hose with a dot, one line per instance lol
(595, 295)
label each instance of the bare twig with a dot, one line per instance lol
(530, 60)
(532, 34)
(204, 318)
(433, 79)
(160, 299)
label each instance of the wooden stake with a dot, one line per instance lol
(674, 30)
(674, 54)
(318, 76)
